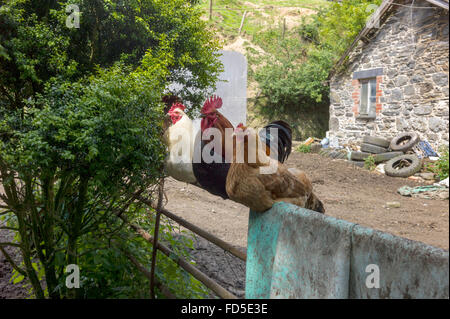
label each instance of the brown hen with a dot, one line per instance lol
(248, 183)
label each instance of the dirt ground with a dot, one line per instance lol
(221, 266)
(348, 192)
(7, 289)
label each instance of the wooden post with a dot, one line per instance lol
(242, 22)
(155, 237)
(210, 9)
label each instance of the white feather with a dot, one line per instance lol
(180, 139)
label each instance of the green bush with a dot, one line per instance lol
(369, 163)
(81, 134)
(304, 148)
(294, 76)
(440, 167)
(37, 45)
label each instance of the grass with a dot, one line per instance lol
(263, 28)
(263, 37)
(441, 166)
(369, 163)
(304, 148)
(228, 21)
(310, 4)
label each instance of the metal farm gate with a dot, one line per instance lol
(156, 245)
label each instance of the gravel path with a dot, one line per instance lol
(223, 267)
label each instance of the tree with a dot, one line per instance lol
(295, 77)
(81, 120)
(37, 44)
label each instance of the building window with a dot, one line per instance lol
(367, 104)
(367, 93)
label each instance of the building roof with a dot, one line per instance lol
(439, 3)
(377, 19)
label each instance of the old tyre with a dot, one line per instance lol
(333, 153)
(341, 155)
(357, 163)
(315, 148)
(373, 149)
(403, 166)
(325, 152)
(404, 142)
(384, 157)
(377, 141)
(379, 158)
(359, 156)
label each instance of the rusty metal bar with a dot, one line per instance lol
(202, 233)
(208, 236)
(199, 275)
(165, 291)
(207, 281)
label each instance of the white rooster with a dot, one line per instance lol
(180, 138)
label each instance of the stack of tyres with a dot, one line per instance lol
(390, 151)
(404, 165)
(404, 142)
(377, 147)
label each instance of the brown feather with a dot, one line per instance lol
(248, 186)
(221, 124)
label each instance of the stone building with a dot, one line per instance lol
(394, 77)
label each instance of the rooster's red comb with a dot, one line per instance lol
(212, 104)
(240, 128)
(177, 106)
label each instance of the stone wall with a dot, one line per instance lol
(412, 47)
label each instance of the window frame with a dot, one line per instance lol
(370, 109)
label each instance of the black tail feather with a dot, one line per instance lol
(315, 204)
(284, 138)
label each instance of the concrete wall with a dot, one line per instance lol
(296, 253)
(412, 48)
(232, 87)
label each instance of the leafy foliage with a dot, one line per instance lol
(339, 24)
(37, 45)
(304, 148)
(294, 76)
(227, 18)
(369, 163)
(102, 127)
(440, 167)
(80, 134)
